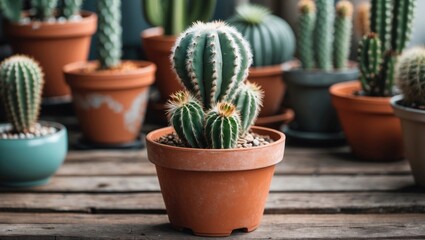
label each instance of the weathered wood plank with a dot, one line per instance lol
(278, 203)
(327, 183)
(100, 226)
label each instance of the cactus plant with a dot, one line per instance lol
(44, 9)
(363, 18)
(176, 15)
(370, 53)
(12, 9)
(343, 27)
(21, 82)
(109, 33)
(271, 38)
(410, 76)
(323, 34)
(306, 25)
(212, 61)
(71, 8)
(393, 38)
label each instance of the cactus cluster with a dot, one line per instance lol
(271, 38)
(410, 76)
(391, 28)
(42, 10)
(218, 105)
(324, 34)
(109, 32)
(21, 84)
(176, 15)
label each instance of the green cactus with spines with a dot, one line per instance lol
(211, 60)
(342, 39)
(305, 33)
(370, 56)
(380, 21)
(109, 33)
(271, 38)
(187, 117)
(323, 34)
(248, 103)
(410, 76)
(402, 24)
(12, 9)
(176, 15)
(222, 126)
(71, 8)
(44, 9)
(21, 84)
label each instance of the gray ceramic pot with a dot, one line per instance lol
(308, 96)
(413, 127)
(31, 162)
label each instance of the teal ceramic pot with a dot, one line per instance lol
(31, 162)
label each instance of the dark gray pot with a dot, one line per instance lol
(308, 96)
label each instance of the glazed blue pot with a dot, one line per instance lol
(31, 162)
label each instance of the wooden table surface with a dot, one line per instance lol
(320, 193)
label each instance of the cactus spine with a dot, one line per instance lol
(271, 38)
(44, 9)
(71, 8)
(323, 34)
(176, 15)
(410, 76)
(306, 25)
(222, 126)
(109, 33)
(248, 103)
(343, 27)
(21, 82)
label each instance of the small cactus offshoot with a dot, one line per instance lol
(248, 102)
(306, 23)
(21, 84)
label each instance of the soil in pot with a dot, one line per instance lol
(369, 123)
(110, 104)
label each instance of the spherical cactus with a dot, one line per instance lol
(410, 76)
(343, 27)
(248, 102)
(44, 9)
(211, 60)
(21, 83)
(306, 24)
(271, 38)
(222, 126)
(187, 117)
(71, 8)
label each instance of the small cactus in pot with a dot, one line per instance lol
(212, 60)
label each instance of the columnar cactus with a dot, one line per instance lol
(12, 9)
(21, 83)
(323, 34)
(363, 18)
(370, 54)
(176, 15)
(44, 9)
(411, 76)
(222, 126)
(271, 38)
(380, 21)
(343, 27)
(306, 24)
(71, 8)
(109, 33)
(212, 61)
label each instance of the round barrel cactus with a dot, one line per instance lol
(271, 38)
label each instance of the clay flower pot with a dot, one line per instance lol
(413, 128)
(54, 45)
(110, 105)
(158, 50)
(369, 123)
(214, 191)
(29, 162)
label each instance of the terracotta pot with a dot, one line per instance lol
(214, 191)
(110, 106)
(369, 124)
(413, 128)
(158, 50)
(54, 45)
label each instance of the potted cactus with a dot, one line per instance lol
(273, 45)
(410, 108)
(169, 18)
(31, 151)
(363, 107)
(52, 37)
(110, 95)
(323, 45)
(214, 169)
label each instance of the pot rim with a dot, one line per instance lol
(157, 33)
(276, 69)
(76, 67)
(404, 112)
(61, 130)
(339, 90)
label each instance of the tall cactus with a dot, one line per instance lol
(109, 33)
(369, 54)
(363, 19)
(343, 27)
(44, 9)
(248, 102)
(271, 38)
(21, 83)
(176, 15)
(222, 126)
(380, 21)
(323, 34)
(306, 24)
(12, 9)
(71, 8)
(411, 76)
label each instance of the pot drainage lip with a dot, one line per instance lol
(84, 144)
